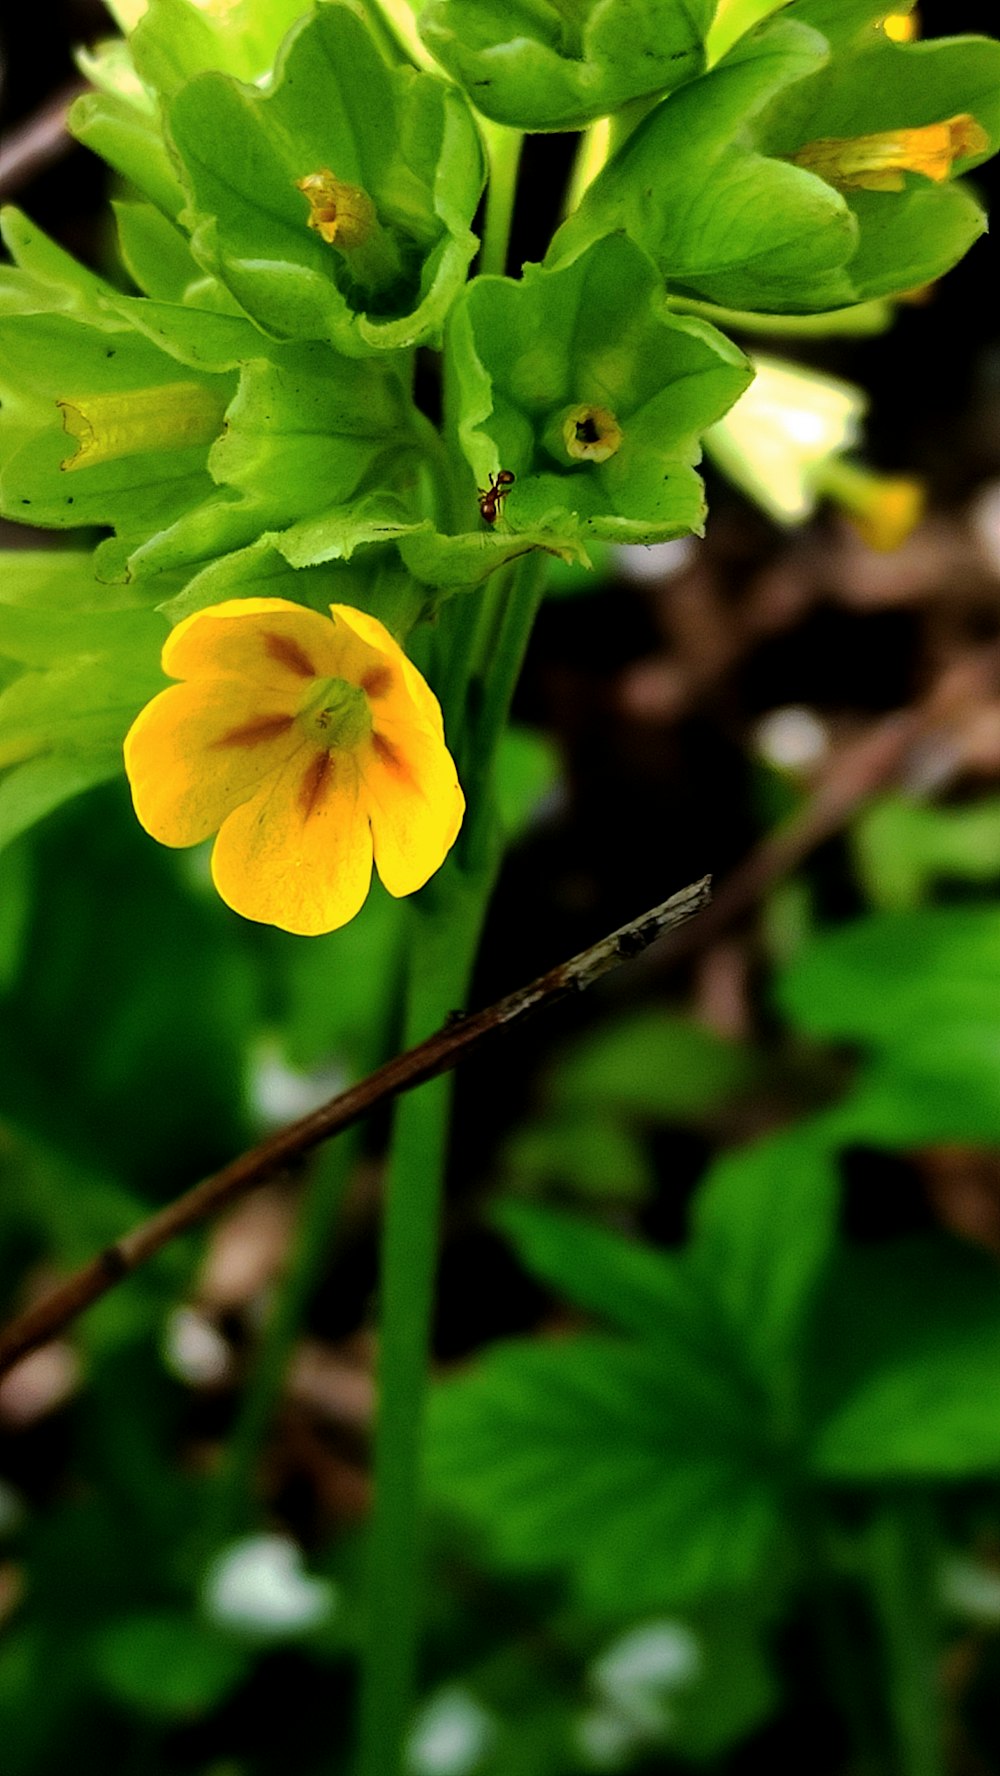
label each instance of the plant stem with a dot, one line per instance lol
(441, 961)
(902, 1547)
(447, 920)
(845, 1664)
(504, 160)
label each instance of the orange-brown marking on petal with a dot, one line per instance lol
(376, 682)
(315, 783)
(288, 653)
(266, 727)
(390, 757)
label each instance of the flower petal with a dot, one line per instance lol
(299, 855)
(198, 751)
(369, 657)
(270, 641)
(415, 802)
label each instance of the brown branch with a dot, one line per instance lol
(878, 759)
(438, 1054)
(37, 142)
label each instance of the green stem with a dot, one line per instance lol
(504, 158)
(447, 920)
(845, 1664)
(903, 1551)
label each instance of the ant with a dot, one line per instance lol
(491, 496)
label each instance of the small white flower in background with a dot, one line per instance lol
(194, 1350)
(451, 1735)
(640, 1673)
(971, 1590)
(606, 1739)
(257, 1586)
(657, 562)
(984, 515)
(781, 433)
(280, 1093)
(792, 739)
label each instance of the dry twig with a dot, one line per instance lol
(438, 1054)
(35, 144)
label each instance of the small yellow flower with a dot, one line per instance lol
(902, 27)
(312, 745)
(338, 211)
(878, 162)
(884, 509)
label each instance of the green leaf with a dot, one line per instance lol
(611, 1462)
(897, 977)
(16, 885)
(83, 708)
(306, 430)
(162, 979)
(167, 1665)
(905, 1364)
(539, 364)
(651, 1064)
(138, 479)
(541, 65)
(628, 1285)
(177, 39)
(909, 237)
(902, 847)
(157, 256)
(720, 220)
(335, 991)
(405, 138)
(584, 1152)
(30, 791)
(527, 771)
(706, 183)
(764, 1229)
(129, 138)
(841, 21)
(93, 660)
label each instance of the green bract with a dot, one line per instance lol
(78, 659)
(296, 219)
(551, 65)
(708, 186)
(98, 425)
(404, 138)
(599, 423)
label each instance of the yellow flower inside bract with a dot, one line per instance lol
(311, 745)
(878, 162)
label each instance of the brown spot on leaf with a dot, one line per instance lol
(288, 653)
(316, 781)
(264, 727)
(376, 682)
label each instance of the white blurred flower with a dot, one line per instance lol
(793, 739)
(640, 1672)
(775, 441)
(971, 1590)
(257, 1586)
(451, 1735)
(194, 1350)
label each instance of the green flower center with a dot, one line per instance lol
(337, 715)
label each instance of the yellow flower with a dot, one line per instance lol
(878, 162)
(338, 211)
(312, 745)
(884, 509)
(902, 27)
